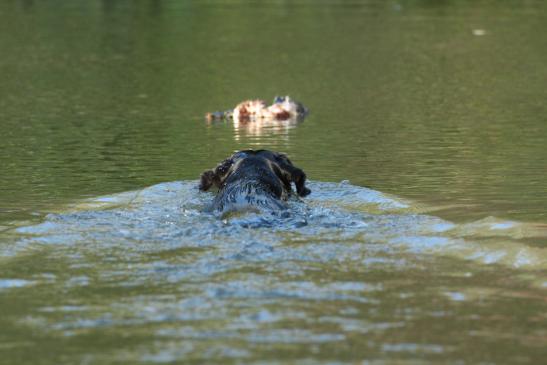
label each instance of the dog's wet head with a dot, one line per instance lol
(254, 177)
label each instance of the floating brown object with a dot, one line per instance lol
(283, 108)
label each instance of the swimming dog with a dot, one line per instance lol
(283, 108)
(253, 180)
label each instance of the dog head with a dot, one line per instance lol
(272, 168)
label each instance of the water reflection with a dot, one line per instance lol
(264, 127)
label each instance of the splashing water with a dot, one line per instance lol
(346, 264)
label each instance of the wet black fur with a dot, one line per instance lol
(261, 177)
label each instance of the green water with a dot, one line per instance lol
(439, 102)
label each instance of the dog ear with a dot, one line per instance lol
(299, 178)
(217, 176)
(296, 175)
(206, 180)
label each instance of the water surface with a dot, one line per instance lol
(350, 274)
(439, 103)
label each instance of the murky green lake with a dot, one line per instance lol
(424, 238)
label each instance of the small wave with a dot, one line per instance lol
(170, 216)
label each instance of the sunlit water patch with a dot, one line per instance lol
(344, 265)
